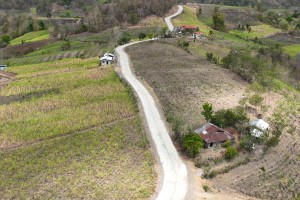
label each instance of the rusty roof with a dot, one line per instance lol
(211, 133)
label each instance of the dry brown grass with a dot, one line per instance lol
(183, 82)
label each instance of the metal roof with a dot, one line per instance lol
(211, 133)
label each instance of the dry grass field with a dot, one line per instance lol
(183, 82)
(70, 130)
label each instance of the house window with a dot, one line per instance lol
(210, 144)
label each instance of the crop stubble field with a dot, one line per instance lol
(70, 130)
(183, 82)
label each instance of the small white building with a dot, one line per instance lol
(107, 59)
(3, 67)
(258, 127)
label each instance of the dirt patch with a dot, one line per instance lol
(183, 82)
(23, 49)
(286, 38)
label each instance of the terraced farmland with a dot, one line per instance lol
(31, 37)
(70, 130)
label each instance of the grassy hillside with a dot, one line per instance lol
(258, 31)
(31, 37)
(69, 130)
(189, 18)
(292, 50)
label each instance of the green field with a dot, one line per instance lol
(292, 50)
(31, 37)
(258, 31)
(70, 130)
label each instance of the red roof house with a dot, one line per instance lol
(212, 135)
(190, 28)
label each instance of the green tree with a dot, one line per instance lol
(192, 143)
(207, 111)
(231, 152)
(124, 39)
(142, 36)
(218, 20)
(30, 26)
(42, 25)
(6, 39)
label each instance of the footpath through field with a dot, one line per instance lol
(174, 184)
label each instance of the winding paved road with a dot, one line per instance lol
(175, 184)
(168, 19)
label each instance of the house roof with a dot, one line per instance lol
(211, 133)
(109, 54)
(259, 127)
(190, 27)
(106, 58)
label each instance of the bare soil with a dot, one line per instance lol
(184, 82)
(22, 49)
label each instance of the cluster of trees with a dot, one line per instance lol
(263, 65)
(118, 12)
(242, 27)
(218, 20)
(270, 3)
(225, 117)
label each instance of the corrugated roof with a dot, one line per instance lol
(211, 133)
(190, 27)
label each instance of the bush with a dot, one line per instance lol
(229, 117)
(124, 39)
(66, 46)
(227, 144)
(206, 188)
(142, 36)
(230, 152)
(192, 143)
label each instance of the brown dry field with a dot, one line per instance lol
(183, 82)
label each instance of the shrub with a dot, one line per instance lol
(142, 36)
(230, 152)
(66, 46)
(227, 144)
(229, 117)
(6, 38)
(206, 188)
(124, 39)
(192, 143)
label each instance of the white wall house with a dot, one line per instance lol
(258, 127)
(3, 67)
(107, 59)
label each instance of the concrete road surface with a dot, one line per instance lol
(168, 19)
(174, 185)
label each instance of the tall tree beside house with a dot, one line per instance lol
(207, 111)
(218, 20)
(192, 144)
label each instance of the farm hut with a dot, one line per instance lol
(258, 127)
(3, 67)
(107, 59)
(213, 136)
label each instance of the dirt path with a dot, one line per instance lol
(5, 78)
